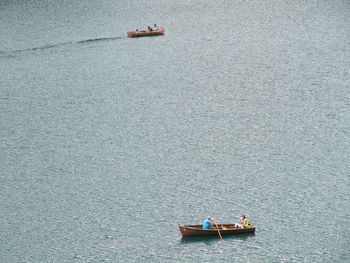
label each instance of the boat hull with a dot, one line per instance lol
(145, 33)
(225, 229)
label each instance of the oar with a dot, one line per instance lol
(218, 230)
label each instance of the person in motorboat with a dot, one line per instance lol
(149, 28)
(155, 28)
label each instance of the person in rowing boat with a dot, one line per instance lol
(208, 223)
(155, 28)
(149, 28)
(244, 222)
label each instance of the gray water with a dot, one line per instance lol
(108, 143)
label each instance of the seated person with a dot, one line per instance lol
(149, 28)
(244, 222)
(208, 223)
(155, 28)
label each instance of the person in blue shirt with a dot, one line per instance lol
(208, 223)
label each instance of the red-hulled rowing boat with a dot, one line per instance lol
(225, 229)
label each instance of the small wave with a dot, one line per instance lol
(45, 47)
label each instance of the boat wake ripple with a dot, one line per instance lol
(49, 46)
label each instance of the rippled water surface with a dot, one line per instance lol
(108, 143)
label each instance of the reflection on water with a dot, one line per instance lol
(211, 239)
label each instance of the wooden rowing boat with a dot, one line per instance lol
(145, 33)
(225, 229)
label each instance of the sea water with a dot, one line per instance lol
(108, 142)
